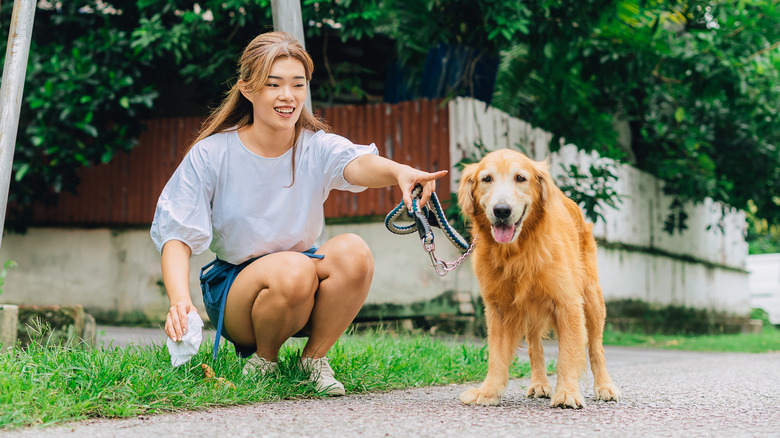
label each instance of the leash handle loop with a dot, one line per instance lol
(423, 218)
(421, 222)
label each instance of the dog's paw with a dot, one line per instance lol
(475, 396)
(608, 392)
(539, 390)
(566, 399)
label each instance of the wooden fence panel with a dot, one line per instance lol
(125, 191)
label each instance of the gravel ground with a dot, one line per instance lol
(665, 394)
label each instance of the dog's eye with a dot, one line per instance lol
(520, 178)
(487, 179)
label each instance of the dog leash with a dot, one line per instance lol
(423, 218)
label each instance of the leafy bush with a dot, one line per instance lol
(84, 96)
(694, 84)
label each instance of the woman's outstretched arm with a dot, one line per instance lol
(375, 172)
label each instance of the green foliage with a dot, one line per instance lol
(637, 315)
(95, 71)
(352, 19)
(761, 315)
(83, 97)
(417, 26)
(697, 82)
(765, 342)
(198, 44)
(591, 192)
(762, 237)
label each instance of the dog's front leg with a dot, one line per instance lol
(503, 337)
(540, 385)
(570, 326)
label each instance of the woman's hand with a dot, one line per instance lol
(176, 322)
(409, 177)
(375, 171)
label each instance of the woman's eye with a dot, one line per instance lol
(487, 179)
(271, 85)
(520, 178)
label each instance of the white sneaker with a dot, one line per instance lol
(257, 364)
(321, 374)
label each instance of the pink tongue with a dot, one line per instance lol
(503, 233)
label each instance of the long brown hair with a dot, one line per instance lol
(235, 111)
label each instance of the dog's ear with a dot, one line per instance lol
(544, 180)
(466, 190)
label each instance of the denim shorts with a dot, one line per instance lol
(216, 278)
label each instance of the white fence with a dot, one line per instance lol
(765, 284)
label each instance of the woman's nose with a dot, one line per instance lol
(286, 92)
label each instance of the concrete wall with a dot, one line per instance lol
(119, 272)
(110, 271)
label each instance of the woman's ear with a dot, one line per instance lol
(466, 190)
(243, 88)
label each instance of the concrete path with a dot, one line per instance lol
(665, 394)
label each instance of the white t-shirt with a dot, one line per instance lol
(237, 203)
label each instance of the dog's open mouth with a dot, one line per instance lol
(505, 232)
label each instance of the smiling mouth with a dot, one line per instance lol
(285, 111)
(504, 232)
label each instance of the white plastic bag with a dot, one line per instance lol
(182, 351)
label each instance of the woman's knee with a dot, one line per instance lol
(352, 252)
(294, 279)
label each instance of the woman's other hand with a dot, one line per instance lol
(176, 322)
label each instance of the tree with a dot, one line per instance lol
(97, 68)
(697, 83)
(83, 95)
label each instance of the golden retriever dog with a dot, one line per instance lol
(535, 260)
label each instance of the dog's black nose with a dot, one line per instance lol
(502, 211)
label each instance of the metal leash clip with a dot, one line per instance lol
(441, 267)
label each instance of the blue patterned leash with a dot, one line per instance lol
(423, 218)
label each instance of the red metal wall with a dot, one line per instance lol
(414, 133)
(125, 191)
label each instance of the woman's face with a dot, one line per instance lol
(278, 103)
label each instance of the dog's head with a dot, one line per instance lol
(502, 191)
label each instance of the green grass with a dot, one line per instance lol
(48, 385)
(766, 341)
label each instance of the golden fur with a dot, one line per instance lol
(542, 275)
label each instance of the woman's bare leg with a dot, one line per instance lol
(345, 277)
(271, 300)
(280, 294)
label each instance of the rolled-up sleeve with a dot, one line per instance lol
(337, 153)
(183, 210)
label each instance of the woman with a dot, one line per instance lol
(251, 188)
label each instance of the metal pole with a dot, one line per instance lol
(14, 70)
(288, 18)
